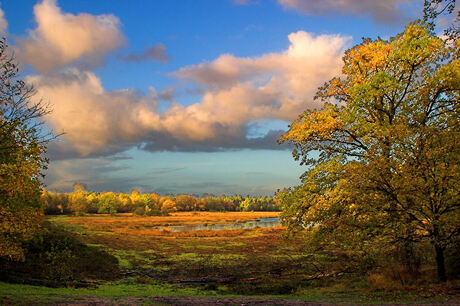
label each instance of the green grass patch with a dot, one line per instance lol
(187, 258)
(18, 293)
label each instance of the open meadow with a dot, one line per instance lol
(228, 260)
(208, 266)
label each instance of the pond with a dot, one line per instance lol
(262, 223)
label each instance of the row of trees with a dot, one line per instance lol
(80, 201)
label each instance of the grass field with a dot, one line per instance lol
(247, 260)
(223, 263)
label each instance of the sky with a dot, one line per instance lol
(184, 96)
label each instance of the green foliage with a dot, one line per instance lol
(258, 204)
(433, 9)
(186, 202)
(108, 203)
(139, 211)
(388, 139)
(22, 148)
(54, 257)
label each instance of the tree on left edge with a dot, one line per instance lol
(23, 139)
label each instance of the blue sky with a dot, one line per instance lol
(184, 96)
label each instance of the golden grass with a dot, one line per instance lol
(182, 218)
(127, 231)
(129, 224)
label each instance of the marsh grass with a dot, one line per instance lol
(250, 258)
(239, 262)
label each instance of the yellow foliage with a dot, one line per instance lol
(384, 150)
(17, 225)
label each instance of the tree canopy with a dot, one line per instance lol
(22, 148)
(384, 151)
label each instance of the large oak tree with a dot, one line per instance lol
(384, 151)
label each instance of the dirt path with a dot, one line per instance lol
(206, 301)
(80, 300)
(184, 300)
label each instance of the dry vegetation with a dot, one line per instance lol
(151, 262)
(237, 260)
(158, 226)
(180, 218)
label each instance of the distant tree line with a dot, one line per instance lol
(81, 201)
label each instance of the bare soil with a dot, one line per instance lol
(190, 300)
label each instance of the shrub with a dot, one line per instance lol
(140, 211)
(55, 257)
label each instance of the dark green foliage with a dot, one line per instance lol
(139, 211)
(56, 258)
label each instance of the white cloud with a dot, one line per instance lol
(272, 86)
(237, 92)
(385, 11)
(60, 38)
(92, 118)
(3, 23)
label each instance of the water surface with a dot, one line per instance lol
(262, 223)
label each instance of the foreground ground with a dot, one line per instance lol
(206, 267)
(142, 294)
(166, 300)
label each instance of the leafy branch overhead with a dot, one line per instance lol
(435, 9)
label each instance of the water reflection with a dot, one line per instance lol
(262, 222)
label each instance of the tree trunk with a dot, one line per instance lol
(440, 263)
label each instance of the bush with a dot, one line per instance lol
(55, 258)
(140, 211)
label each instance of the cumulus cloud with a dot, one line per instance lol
(237, 92)
(61, 38)
(388, 11)
(92, 118)
(272, 86)
(155, 53)
(3, 23)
